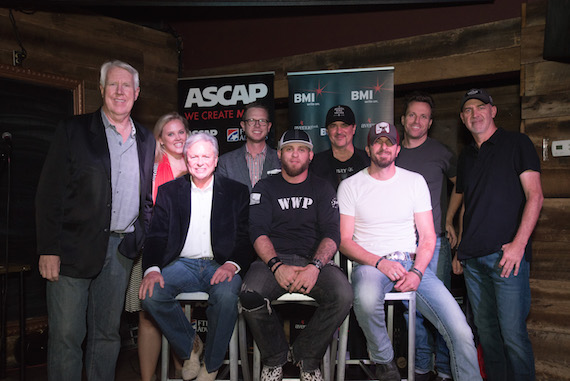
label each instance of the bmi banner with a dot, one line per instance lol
(216, 104)
(368, 92)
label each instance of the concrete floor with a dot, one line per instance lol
(127, 369)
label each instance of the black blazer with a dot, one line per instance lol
(73, 199)
(228, 223)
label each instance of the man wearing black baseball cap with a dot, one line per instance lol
(499, 177)
(294, 227)
(480, 94)
(343, 159)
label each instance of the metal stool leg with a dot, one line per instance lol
(411, 337)
(256, 362)
(165, 359)
(341, 354)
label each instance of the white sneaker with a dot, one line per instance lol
(191, 367)
(203, 375)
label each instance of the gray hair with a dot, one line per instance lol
(123, 65)
(201, 137)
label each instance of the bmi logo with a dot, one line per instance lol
(361, 95)
(234, 135)
(303, 97)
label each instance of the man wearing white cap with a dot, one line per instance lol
(294, 227)
(381, 209)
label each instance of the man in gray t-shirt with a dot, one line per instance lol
(437, 164)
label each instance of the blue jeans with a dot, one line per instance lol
(332, 293)
(428, 341)
(191, 275)
(433, 300)
(77, 307)
(500, 308)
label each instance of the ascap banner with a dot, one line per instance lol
(216, 104)
(368, 92)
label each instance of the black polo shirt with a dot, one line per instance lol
(494, 198)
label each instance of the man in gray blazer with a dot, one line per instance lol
(255, 159)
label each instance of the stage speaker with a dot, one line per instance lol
(557, 31)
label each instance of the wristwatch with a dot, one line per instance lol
(318, 264)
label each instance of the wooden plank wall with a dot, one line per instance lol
(75, 46)
(423, 61)
(545, 113)
(447, 64)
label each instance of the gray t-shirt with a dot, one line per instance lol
(436, 163)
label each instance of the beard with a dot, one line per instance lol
(293, 172)
(382, 162)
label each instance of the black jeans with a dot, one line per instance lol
(333, 294)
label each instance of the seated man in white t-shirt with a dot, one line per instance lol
(381, 209)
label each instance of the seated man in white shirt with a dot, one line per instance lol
(197, 241)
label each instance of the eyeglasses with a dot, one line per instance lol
(252, 122)
(386, 142)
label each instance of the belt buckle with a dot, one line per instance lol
(396, 256)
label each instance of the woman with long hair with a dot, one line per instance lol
(170, 132)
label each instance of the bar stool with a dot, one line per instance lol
(410, 297)
(191, 297)
(327, 366)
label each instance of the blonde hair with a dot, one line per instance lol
(159, 126)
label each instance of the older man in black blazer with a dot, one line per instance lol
(94, 196)
(198, 241)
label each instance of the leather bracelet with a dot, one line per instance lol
(276, 267)
(377, 263)
(318, 264)
(417, 272)
(273, 261)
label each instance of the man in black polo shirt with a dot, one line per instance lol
(499, 176)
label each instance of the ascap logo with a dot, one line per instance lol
(226, 95)
(235, 135)
(295, 202)
(212, 132)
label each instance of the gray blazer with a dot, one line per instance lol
(234, 166)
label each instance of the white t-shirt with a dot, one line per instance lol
(383, 210)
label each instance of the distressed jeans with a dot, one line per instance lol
(333, 294)
(191, 275)
(77, 307)
(435, 303)
(500, 308)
